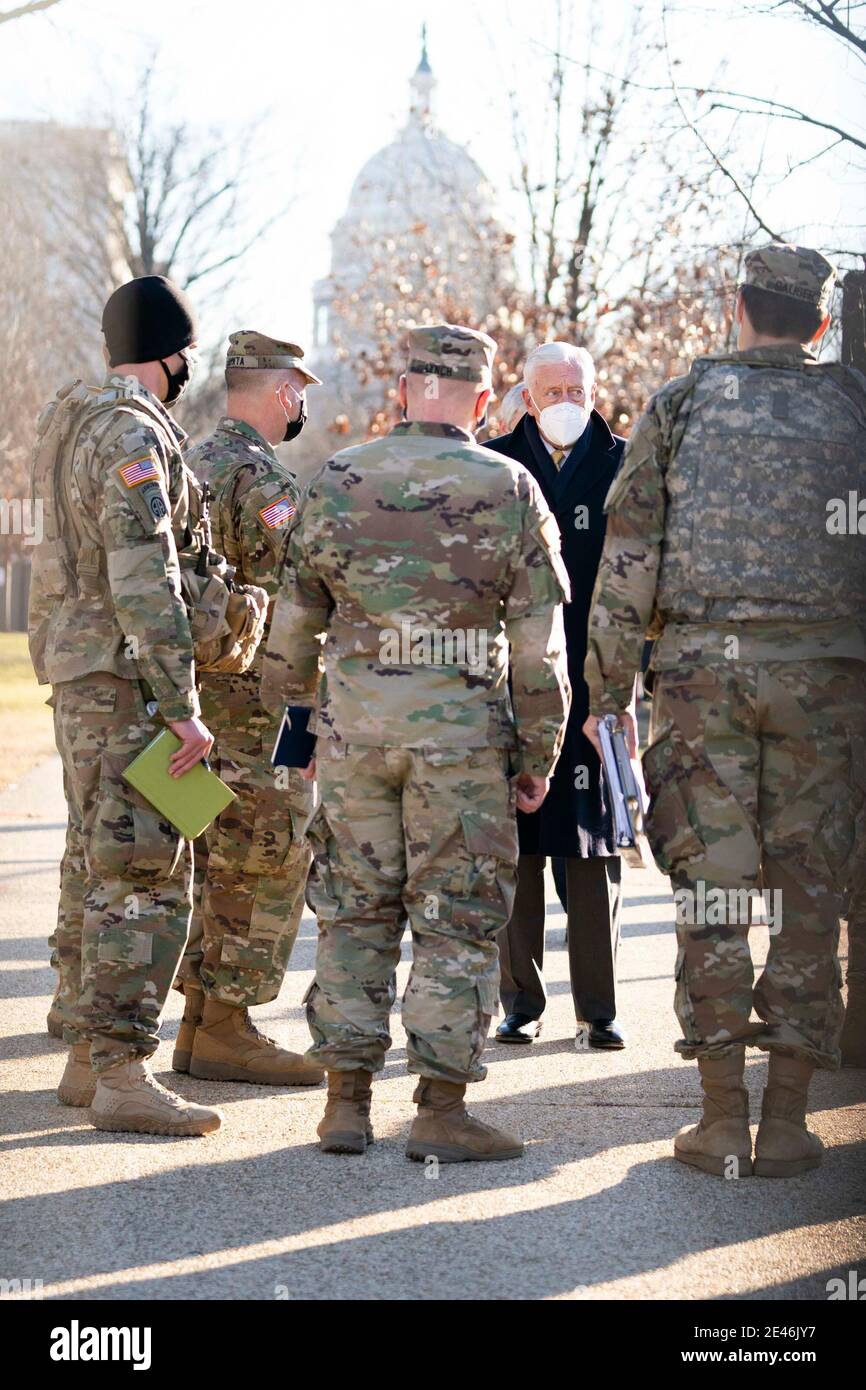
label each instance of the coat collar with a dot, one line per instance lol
(596, 462)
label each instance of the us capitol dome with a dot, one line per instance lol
(420, 211)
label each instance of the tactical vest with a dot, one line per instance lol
(765, 451)
(226, 619)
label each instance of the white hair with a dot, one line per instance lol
(549, 353)
(512, 407)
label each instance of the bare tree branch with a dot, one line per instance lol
(31, 8)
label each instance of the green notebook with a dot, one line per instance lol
(190, 802)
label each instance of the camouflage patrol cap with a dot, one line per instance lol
(447, 350)
(796, 271)
(256, 351)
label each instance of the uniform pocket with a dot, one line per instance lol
(487, 1003)
(321, 883)
(128, 837)
(241, 954)
(253, 835)
(683, 1006)
(86, 698)
(486, 902)
(124, 946)
(672, 837)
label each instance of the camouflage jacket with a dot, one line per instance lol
(128, 491)
(735, 526)
(254, 502)
(418, 559)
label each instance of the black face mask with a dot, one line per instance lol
(177, 381)
(294, 427)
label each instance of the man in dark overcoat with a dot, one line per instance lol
(573, 456)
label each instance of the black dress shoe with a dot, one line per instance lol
(605, 1034)
(518, 1028)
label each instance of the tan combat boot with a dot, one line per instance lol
(193, 1003)
(784, 1145)
(722, 1134)
(78, 1082)
(345, 1126)
(130, 1101)
(229, 1047)
(444, 1129)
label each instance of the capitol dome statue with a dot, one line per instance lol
(418, 241)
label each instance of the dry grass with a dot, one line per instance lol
(26, 727)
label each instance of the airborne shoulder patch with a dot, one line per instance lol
(140, 470)
(278, 513)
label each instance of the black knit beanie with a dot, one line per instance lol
(147, 320)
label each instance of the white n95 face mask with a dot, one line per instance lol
(564, 423)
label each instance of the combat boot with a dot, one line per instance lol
(722, 1133)
(228, 1047)
(129, 1100)
(784, 1146)
(193, 1003)
(78, 1082)
(444, 1129)
(345, 1126)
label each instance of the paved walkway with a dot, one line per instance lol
(597, 1208)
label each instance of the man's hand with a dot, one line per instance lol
(531, 791)
(196, 741)
(625, 721)
(309, 772)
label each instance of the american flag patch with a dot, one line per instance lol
(277, 513)
(139, 470)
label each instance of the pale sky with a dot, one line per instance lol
(332, 78)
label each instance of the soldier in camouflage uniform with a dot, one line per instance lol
(251, 866)
(420, 557)
(109, 631)
(722, 542)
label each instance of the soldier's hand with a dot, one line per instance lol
(531, 791)
(196, 741)
(309, 772)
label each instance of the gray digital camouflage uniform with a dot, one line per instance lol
(721, 543)
(419, 558)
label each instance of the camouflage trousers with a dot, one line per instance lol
(427, 839)
(125, 876)
(250, 873)
(756, 779)
(65, 940)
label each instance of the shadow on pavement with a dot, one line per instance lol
(656, 1215)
